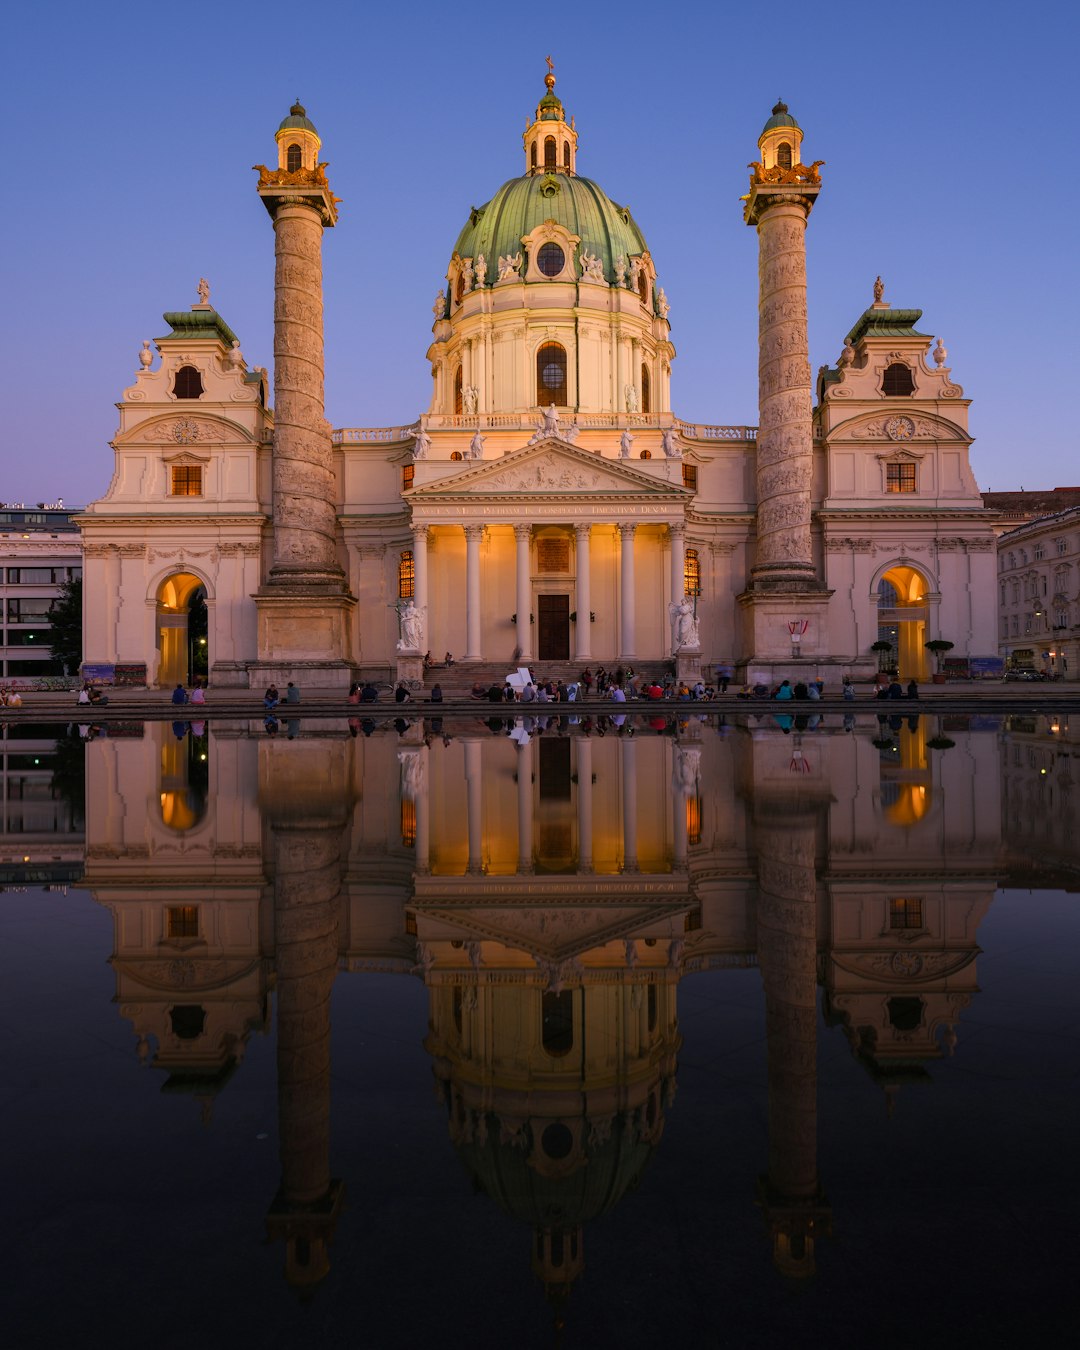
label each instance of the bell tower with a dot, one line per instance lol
(305, 610)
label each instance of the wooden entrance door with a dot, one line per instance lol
(553, 612)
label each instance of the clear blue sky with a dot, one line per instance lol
(949, 132)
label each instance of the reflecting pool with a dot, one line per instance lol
(590, 1031)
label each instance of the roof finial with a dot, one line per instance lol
(879, 291)
(549, 78)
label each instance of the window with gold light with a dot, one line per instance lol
(186, 480)
(408, 474)
(182, 921)
(407, 576)
(899, 477)
(693, 820)
(905, 912)
(408, 823)
(692, 573)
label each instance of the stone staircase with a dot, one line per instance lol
(461, 677)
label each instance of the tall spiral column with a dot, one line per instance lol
(784, 594)
(305, 609)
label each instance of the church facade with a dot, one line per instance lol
(550, 505)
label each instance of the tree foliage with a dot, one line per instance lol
(65, 633)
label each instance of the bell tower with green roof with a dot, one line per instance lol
(550, 142)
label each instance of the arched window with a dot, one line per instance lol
(532, 155)
(551, 375)
(897, 381)
(294, 158)
(408, 823)
(646, 390)
(456, 456)
(188, 383)
(557, 1025)
(406, 576)
(459, 392)
(551, 153)
(783, 155)
(691, 573)
(566, 155)
(643, 286)
(693, 820)
(645, 454)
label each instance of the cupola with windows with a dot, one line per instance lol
(530, 274)
(780, 141)
(550, 144)
(298, 141)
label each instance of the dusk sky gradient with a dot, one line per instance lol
(948, 131)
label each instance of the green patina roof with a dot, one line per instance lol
(780, 118)
(297, 118)
(503, 1172)
(199, 323)
(886, 323)
(578, 204)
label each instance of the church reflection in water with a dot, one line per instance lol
(552, 891)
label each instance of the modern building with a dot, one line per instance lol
(550, 505)
(1039, 595)
(40, 550)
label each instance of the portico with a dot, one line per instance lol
(584, 556)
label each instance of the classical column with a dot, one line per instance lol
(474, 800)
(304, 609)
(525, 759)
(583, 596)
(111, 600)
(785, 829)
(779, 211)
(473, 535)
(522, 536)
(420, 577)
(628, 757)
(583, 747)
(628, 583)
(677, 533)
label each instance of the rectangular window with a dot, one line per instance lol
(905, 912)
(689, 476)
(35, 576)
(408, 472)
(186, 480)
(1039, 552)
(408, 823)
(183, 921)
(1062, 545)
(900, 477)
(28, 611)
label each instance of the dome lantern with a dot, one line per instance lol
(550, 143)
(780, 141)
(298, 141)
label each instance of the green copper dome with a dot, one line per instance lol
(780, 118)
(297, 118)
(578, 204)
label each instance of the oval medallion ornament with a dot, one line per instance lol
(907, 963)
(185, 431)
(900, 428)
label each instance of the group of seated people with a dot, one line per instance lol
(10, 698)
(447, 661)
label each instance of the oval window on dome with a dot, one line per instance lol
(551, 375)
(551, 260)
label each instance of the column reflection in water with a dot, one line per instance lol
(304, 793)
(786, 823)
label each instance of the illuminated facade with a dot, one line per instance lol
(549, 506)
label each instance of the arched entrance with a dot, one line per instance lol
(183, 639)
(902, 620)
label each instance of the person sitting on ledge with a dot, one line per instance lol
(179, 694)
(369, 694)
(448, 659)
(436, 693)
(401, 693)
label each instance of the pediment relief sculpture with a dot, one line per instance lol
(549, 466)
(898, 429)
(184, 430)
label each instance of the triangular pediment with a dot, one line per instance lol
(550, 467)
(556, 933)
